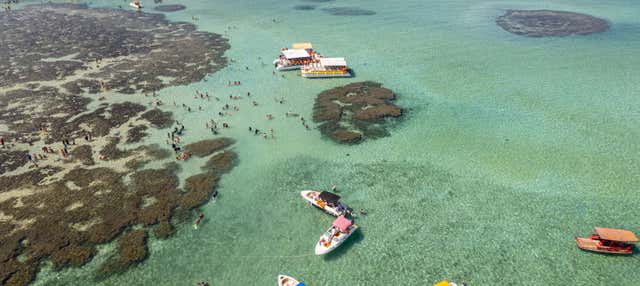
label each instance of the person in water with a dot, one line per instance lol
(199, 219)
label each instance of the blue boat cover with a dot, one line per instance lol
(301, 284)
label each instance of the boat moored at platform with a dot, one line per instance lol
(326, 67)
(295, 58)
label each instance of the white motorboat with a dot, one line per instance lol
(285, 280)
(447, 283)
(337, 234)
(326, 201)
(135, 4)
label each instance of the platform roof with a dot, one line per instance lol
(295, 54)
(336, 62)
(302, 46)
(613, 234)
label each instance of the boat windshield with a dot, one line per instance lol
(330, 198)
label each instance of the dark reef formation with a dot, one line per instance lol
(66, 219)
(134, 51)
(136, 133)
(59, 208)
(207, 147)
(548, 23)
(170, 8)
(348, 11)
(158, 118)
(304, 7)
(132, 248)
(356, 111)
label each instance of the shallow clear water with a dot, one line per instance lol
(510, 146)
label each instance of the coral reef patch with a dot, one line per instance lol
(348, 11)
(304, 7)
(133, 52)
(207, 147)
(550, 23)
(356, 111)
(170, 8)
(66, 183)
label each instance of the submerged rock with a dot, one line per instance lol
(304, 7)
(353, 112)
(65, 214)
(158, 118)
(221, 162)
(132, 248)
(136, 133)
(548, 23)
(84, 154)
(133, 52)
(207, 147)
(348, 11)
(72, 255)
(170, 8)
(164, 230)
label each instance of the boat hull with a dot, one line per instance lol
(321, 249)
(309, 196)
(315, 75)
(285, 280)
(137, 6)
(288, 68)
(594, 246)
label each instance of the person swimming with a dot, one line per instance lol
(198, 221)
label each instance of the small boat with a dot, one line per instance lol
(326, 201)
(608, 240)
(338, 233)
(326, 67)
(285, 280)
(447, 283)
(295, 58)
(135, 4)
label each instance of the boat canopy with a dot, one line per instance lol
(302, 46)
(333, 62)
(342, 223)
(330, 198)
(613, 234)
(295, 54)
(301, 284)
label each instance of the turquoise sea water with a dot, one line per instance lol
(510, 147)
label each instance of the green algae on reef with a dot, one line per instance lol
(549, 23)
(67, 206)
(353, 112)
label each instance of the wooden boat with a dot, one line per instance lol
(338, 233)
(285, 280)
(608, 240)
(326, 201)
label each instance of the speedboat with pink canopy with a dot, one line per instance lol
(338, 233)
(286, 280)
